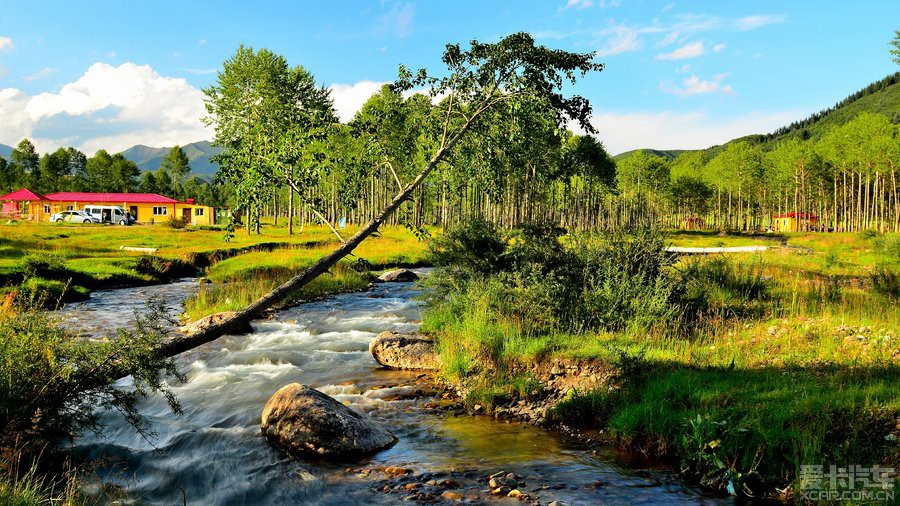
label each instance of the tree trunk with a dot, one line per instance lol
(290, 215)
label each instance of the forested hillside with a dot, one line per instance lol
(880, 97)
(671, 154)
(836, 170)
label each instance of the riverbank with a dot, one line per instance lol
(747, 369)
(59, 263)
(744, 431)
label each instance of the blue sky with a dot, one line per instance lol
(680, 74)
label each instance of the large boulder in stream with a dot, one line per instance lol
(303, 421)
(404, 351)
(398, 276)
(206, 321)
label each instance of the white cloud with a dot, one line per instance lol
(691, 50)
(674, 130)
(695, 86)
(6, 43)
(578, 4)
(623, 37)
(349, 98)
(108, 107)
(201, 42)
(758, 21)
(398, 21)
(669, 39)
(718, 47)
(684, 68)
(40, 74)
(620, 39)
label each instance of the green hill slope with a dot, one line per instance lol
(882, 97)
(670, 154)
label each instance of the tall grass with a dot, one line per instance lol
(30, 487)
(772, 361)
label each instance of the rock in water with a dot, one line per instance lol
(303, 421)
(206, 321)
(398, 276)
(403, 351)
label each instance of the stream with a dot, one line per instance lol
(214, 453)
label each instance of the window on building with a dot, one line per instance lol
(46, 208)
(70, 208)
(198, 211)
(160, 210)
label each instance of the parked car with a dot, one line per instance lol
(73, 217)
(110, 214)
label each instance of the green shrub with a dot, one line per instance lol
(719, 284)
(476, 249)
(54, 382)
(886, 281)
(46, 292)
(42, 264)
(889, 245)
(531, 277)
(178, 223)
(625, 282)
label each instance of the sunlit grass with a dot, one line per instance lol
(93, 258)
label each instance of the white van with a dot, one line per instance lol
(110, 214)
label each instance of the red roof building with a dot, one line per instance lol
(23, 195)
(144, 207)
(111, 198)
(795, 222)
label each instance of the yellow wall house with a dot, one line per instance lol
(795, 222)
(144, 207)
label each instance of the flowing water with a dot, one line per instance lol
(214, 452)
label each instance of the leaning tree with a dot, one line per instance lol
(479, 79)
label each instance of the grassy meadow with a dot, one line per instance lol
(793, 360)
(63, 262)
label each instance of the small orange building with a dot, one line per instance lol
(24, 204)
(795, 222)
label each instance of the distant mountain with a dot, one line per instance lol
(199, 154)
(881, 97)
(5, 151)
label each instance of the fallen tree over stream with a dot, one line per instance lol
(480, 79)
